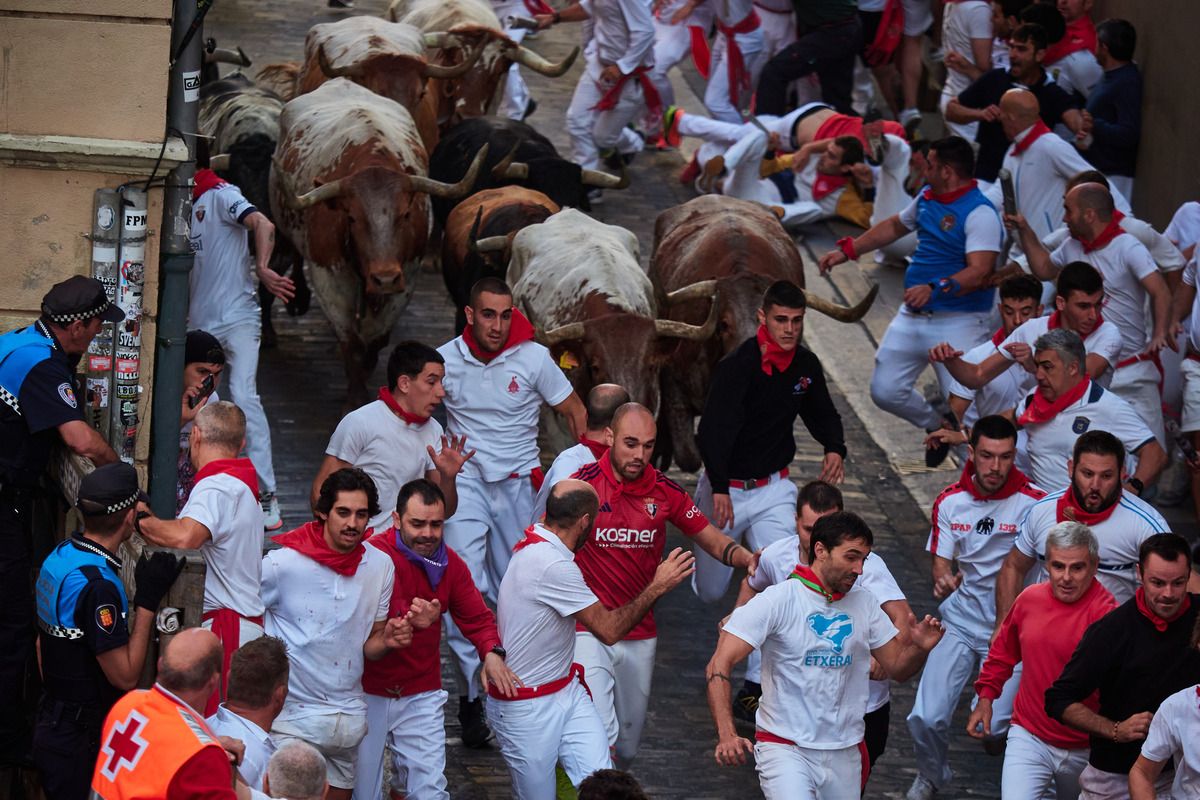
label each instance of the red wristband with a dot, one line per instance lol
(847, 246)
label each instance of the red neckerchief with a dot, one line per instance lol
(1042, 409)
(521, 331)
(1055, 321)
(998, 337)
(1118, 215)
(309, 540)
(638, 488)
(1068, 509)
(390, 402)
(739, 76)
(810, 579)
(1080, 35)
(597, 448)
(1160, 624)
(827, 184)
(529, 538)
(772, 354)
(239, 468)
(948, 197)
(1016, 479)
(654, 103)
(1038, 131)
(1110, 232)
(206, 179)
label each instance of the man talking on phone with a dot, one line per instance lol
(203, 362)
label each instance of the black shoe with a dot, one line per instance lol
(341, 3)
(745, 705)
(936, 455)
(475, 730)
(530, 107)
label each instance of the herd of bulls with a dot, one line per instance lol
(386, 121)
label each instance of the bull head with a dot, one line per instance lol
(429, 70)
(665, 328)
(528, 58)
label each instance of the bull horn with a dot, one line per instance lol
(528, 58)
(331, 71)
(501, 170)
(594, 177)
(223, 55)
(219, 163)
(455, 70)
(517, 172)
(572, 330)
(442, 39)
(491, 244)
(842, 313)
(419, 183)
(326, 191)
(681, 330)
(695, 291)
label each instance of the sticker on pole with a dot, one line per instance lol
(191, 86)
(97, 392)
(99, 363)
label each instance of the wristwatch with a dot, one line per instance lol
(1136, 484)
(500, 651)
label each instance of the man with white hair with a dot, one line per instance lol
(296, 771)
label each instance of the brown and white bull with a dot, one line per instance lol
(477, 242)
(349, 180)
(462, 26)
(742, 246)
(582, 284)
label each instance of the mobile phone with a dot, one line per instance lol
(206, 388)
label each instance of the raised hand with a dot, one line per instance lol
(449, 462)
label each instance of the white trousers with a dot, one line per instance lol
(491, 518)
(717, 96)
(950, 665)
(672, 44)
(591, 130)
(1095, 784)
(789, 772)
(1032, 766)
(240, 343)
(765, 515)
(535, 734)
(904, 354)
(778, 30)
(516, 93)
(1137, 385)
(413, 732)
(619, 677)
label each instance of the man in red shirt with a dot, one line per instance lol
(404, 688)
(636, 502)
(1041, 631)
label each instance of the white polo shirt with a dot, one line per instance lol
(387, 448)
(497, 404)
(1052, 443)
(259, 744)
(1175, 732)
(816, 661)
(979, 531)
(1132, 522)
(541, 590)
(1000, 393)
(1104, 341)
(233, 556)
(1164, 252)
(1123, 263)
(325, 618)
(567, 463)
(1040, 174)
(222, 290)
(1076, 72)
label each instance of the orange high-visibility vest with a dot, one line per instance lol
(147, 737)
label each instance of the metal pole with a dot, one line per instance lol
(129, 333)
(175, 265)
(105, 233)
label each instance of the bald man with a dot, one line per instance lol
(155, 742)
(636, 503)
(543, 600)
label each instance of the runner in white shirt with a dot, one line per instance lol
(496, 380)
(602, 401)
(1184, 230)
(680, 27)
(552, 719)
(223, 520)
(967, 37)
(778, 25)
(974, 522)
(258, 685)
(395, 439)
(327, 597)
(777, 562)
(1130, 277)
(517, 100)
(1174, 734)
(738, 56)
(817, 635)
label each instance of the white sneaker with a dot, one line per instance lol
(921, 789)
(271, 518)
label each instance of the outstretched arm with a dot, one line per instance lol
(731, 748)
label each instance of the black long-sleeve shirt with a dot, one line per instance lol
(1116, 108)
(1134, 667)
(746, 429)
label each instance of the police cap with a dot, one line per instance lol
(79, 298)
(109, 489)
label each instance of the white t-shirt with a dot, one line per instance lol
(1000, 393)
(1040, 174)
(259, 744)
(567, 463)
(541, 590)
(388, 449)
(1184, 229)
(1104, 341)
(816, 661)
(325, 618)
(1123, 263)
(1175, 732)
(1165, 254)
(623, 33)
(1190, 273)
(497, 405)
(1076, 72)
(1120, 536)
(221, 283)
(962, 22)
(985, 232)
(233, 556)
(1052, 443)
(979, 532)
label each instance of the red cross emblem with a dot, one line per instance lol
(124, 746)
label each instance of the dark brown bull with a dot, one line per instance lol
(743, 247)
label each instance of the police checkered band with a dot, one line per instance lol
(60, 632)
(78, 315)
(92, 508)
(9, 399)
(84, 544)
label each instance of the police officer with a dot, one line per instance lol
(89, 656)
(38, 407)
